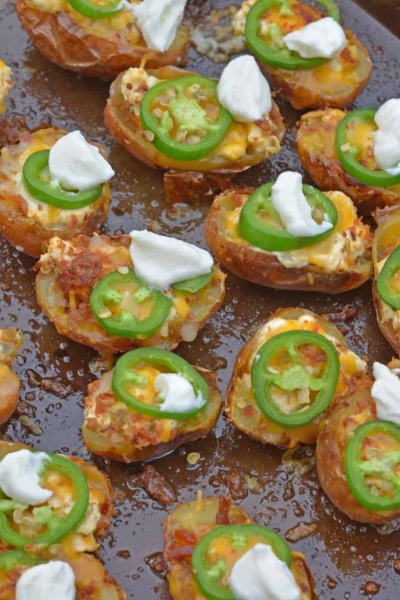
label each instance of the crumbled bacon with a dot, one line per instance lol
(10, 130)
(224, 505)
(84, 271)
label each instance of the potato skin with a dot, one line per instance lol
(355, 409)
(264, 268)
(10, 342)
(241, 406)
(140, 443)
(30, 233)
(66, 43)
(316, 147)
(188, 523)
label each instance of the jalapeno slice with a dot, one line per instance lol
(15, 558)
(294, 376)
(348, 155)
(57, 527)
(93, 10)
(127, 381)
(388, 282)
(261, 226)
(185, 117)
(372, 471)
(191, 286)
(126, 306)
(37, 181)
(276, 55)
(212, 572)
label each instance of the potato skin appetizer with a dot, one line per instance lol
(241, 405)
(91, 579)
(100, 509)
(10, 342)
(92, 47)
(316, 147)
(112, 430)
(25, 221)
(188, 523)
(337, 83)
(326, 271)
(242, 147)
(68, 272)
(6, 82)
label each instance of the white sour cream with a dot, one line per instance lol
(261, 575)
(20, 477)
(54, 580)
(291, 204)
(77, 165)
(158, 20)
(162, 261)
(387, 138)
(244, 91)
(177, 392)
(386, 393)
(321, 39)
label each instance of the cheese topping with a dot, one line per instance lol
(321, 39)
(386, 393)
(132, 84)
(20, 477)
(54, 580)
(158, 20)
(77, 165)
(162, 261)
(177, 393)
(387, 138)
(291, 204)
(6, 81)
(244, 91)
(260, 575)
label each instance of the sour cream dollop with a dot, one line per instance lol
(20, 477)
(244, 91)
(386, 393)
(162, 261)
(387, 138)
(177, 392)
(77, 165)
(291, 204)
(158, 20)
(54, 580)
(261, 575)
(321, 39)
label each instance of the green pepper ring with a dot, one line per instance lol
(191, 286)
(262, 379)
(352, 461)
(176, 364)
(389, 270)
(90, 9)
(167, 145)
(282, 59)
(13, 558)
(53, 194)
(349, 160)
(128, 325)
(271, 239)
(199, 564)
(58, 528)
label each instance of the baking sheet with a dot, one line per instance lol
(343, 556)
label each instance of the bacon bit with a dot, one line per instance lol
(156, 562)
(396, 566)
(315, 356)
(248, 411)
(56, 387)
(300, 532)
(83, 271)
(346, 314)
(11, 129)
(224, 505)
(237, 486)
(177, 554)
(157, 486)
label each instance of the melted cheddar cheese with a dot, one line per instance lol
(6, 81)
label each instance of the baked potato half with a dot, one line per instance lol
(241, 405)
(68, 272)
(29, 223)
(336, 83)
(339, 427)
(316, 147)
(92, 581)
(386, 239)
(96, 520)
(93, 47)
(243, 146)
(115, 431)
(188, 523)
(10, 342)
(6, 81)
(339, 263)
